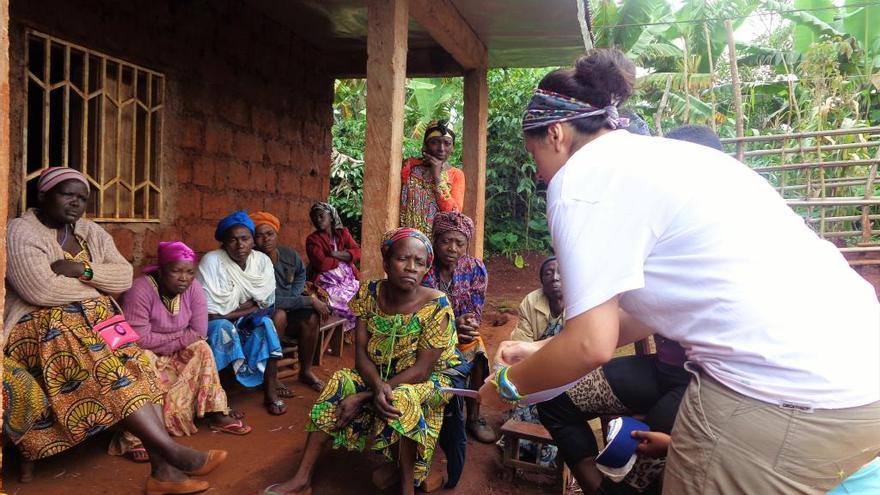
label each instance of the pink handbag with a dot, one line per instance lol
(115, 331)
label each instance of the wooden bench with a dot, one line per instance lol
(516, 431)
(331, 338)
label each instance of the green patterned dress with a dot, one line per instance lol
(394, 342)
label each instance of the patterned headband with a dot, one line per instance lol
(397, 234)
(547, 108)
(439, 128)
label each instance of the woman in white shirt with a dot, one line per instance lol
(782, 336)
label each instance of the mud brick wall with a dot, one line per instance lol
(248, 110)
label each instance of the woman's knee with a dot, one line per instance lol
(225, 327)
(201, 348)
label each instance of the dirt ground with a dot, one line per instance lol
(271, 452)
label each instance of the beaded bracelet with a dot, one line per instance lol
(506, 389)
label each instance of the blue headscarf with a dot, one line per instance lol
(240, 217)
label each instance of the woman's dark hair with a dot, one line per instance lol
(602, 77)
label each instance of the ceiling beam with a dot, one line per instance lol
(450, 30)
(420, 62)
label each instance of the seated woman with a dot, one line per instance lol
(333, 253)
(464, 280)
(404, 345)
(239, 283)
(167, 308)
(541, 316)
(60, 274)
(429, 184)
(293, 309)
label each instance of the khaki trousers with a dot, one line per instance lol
(724, 442)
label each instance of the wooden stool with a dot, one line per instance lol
(515, 431)
(331, 336)
(288, 365)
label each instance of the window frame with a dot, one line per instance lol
(121, 207)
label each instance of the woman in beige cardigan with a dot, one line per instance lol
(66, 383)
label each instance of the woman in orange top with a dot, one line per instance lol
(429, 184)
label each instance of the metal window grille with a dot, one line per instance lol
(97, 114)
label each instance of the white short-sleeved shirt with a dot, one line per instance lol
(704, 251)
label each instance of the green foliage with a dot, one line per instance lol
(426, 100)
(811, 69)
(515, 213)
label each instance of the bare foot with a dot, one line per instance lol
(312, 381)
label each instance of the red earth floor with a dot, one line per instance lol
(271, 452)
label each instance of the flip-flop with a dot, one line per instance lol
(278, 405)
(235, 428)
(133, 455)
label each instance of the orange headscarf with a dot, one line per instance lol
(265, 218)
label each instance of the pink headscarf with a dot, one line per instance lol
(170, 252)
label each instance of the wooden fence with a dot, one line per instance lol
(829, 178)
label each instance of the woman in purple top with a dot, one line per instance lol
(167, 308)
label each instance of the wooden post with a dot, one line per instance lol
(685, 75)
(658, 117)
(711, 72)
(387, 29)
(476, 116)
(735, 87)
(867, 223)
(5, 156)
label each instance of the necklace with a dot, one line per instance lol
(443, 286)
(64, 239)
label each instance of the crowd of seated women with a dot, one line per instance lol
(199, 322)
(203, 322)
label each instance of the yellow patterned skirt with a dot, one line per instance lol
(421, 404)
(88, 387)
